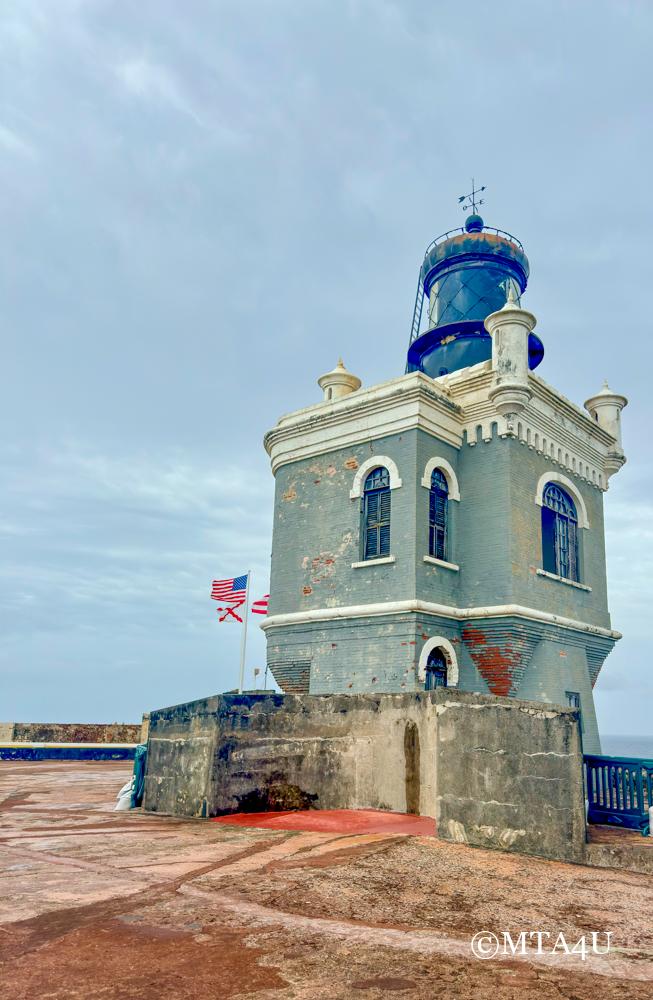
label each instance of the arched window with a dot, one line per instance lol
(559, 533)
(376, 514)
(436, 670)
(438, 515)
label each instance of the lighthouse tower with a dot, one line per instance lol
(446, 527)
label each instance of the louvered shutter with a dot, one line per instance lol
(375, 520)
(384, 523)
(438, 511)
(371, 539)
(573, 551)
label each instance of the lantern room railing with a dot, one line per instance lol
(461, 231)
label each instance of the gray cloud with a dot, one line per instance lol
(203, 205)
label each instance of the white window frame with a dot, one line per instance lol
(447, 472)
(572, 490)
(367, 466)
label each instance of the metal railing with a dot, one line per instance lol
(619, 790)
(461, 230)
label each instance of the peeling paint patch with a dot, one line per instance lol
(505, 837)
(539, 713)
(456, 832)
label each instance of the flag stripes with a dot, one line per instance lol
(233, 589)
(261, 607)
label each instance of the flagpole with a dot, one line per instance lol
(243, 637)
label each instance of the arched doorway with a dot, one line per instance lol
(437, 653)
(436, 670)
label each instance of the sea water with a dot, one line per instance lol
(627, 746)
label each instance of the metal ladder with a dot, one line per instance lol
(417, 312)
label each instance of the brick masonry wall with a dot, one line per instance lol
(526, 467)
(316, 533)
(495, 538)
(484, 525)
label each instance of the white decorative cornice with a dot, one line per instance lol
(453, 408)
(410, 401)
(438, 611)
(549, 424)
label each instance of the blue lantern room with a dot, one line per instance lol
(466, 275)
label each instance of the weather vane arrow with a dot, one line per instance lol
(471, 200)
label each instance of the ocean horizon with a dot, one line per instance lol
(618, 745)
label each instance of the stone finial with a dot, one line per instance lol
(509, 328)
(338, 382)
(605, 409)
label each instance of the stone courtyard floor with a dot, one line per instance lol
(101, 904)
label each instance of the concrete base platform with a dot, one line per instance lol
(612, 847)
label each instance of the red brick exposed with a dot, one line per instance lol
(496, 662)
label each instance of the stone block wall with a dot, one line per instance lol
(527, 586)
(235, 753)
(509, 774)
(496, 772)
(70, 732)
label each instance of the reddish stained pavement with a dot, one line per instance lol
(102, 905)
(335, 821)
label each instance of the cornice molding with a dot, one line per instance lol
(454, 408)
(438, 611)
(410, 401)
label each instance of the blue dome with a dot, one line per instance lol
(473, 223)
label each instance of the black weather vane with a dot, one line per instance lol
(471, 201)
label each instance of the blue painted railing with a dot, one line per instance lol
(67, 751)
(619, 790)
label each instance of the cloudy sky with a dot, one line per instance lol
(201, 205)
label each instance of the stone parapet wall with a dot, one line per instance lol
(509, 775)
(70, 732)
(495, 772)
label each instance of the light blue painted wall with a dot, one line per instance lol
(558, 667)
(494, 538)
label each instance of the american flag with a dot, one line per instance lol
(234, 589)
(261, 607)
